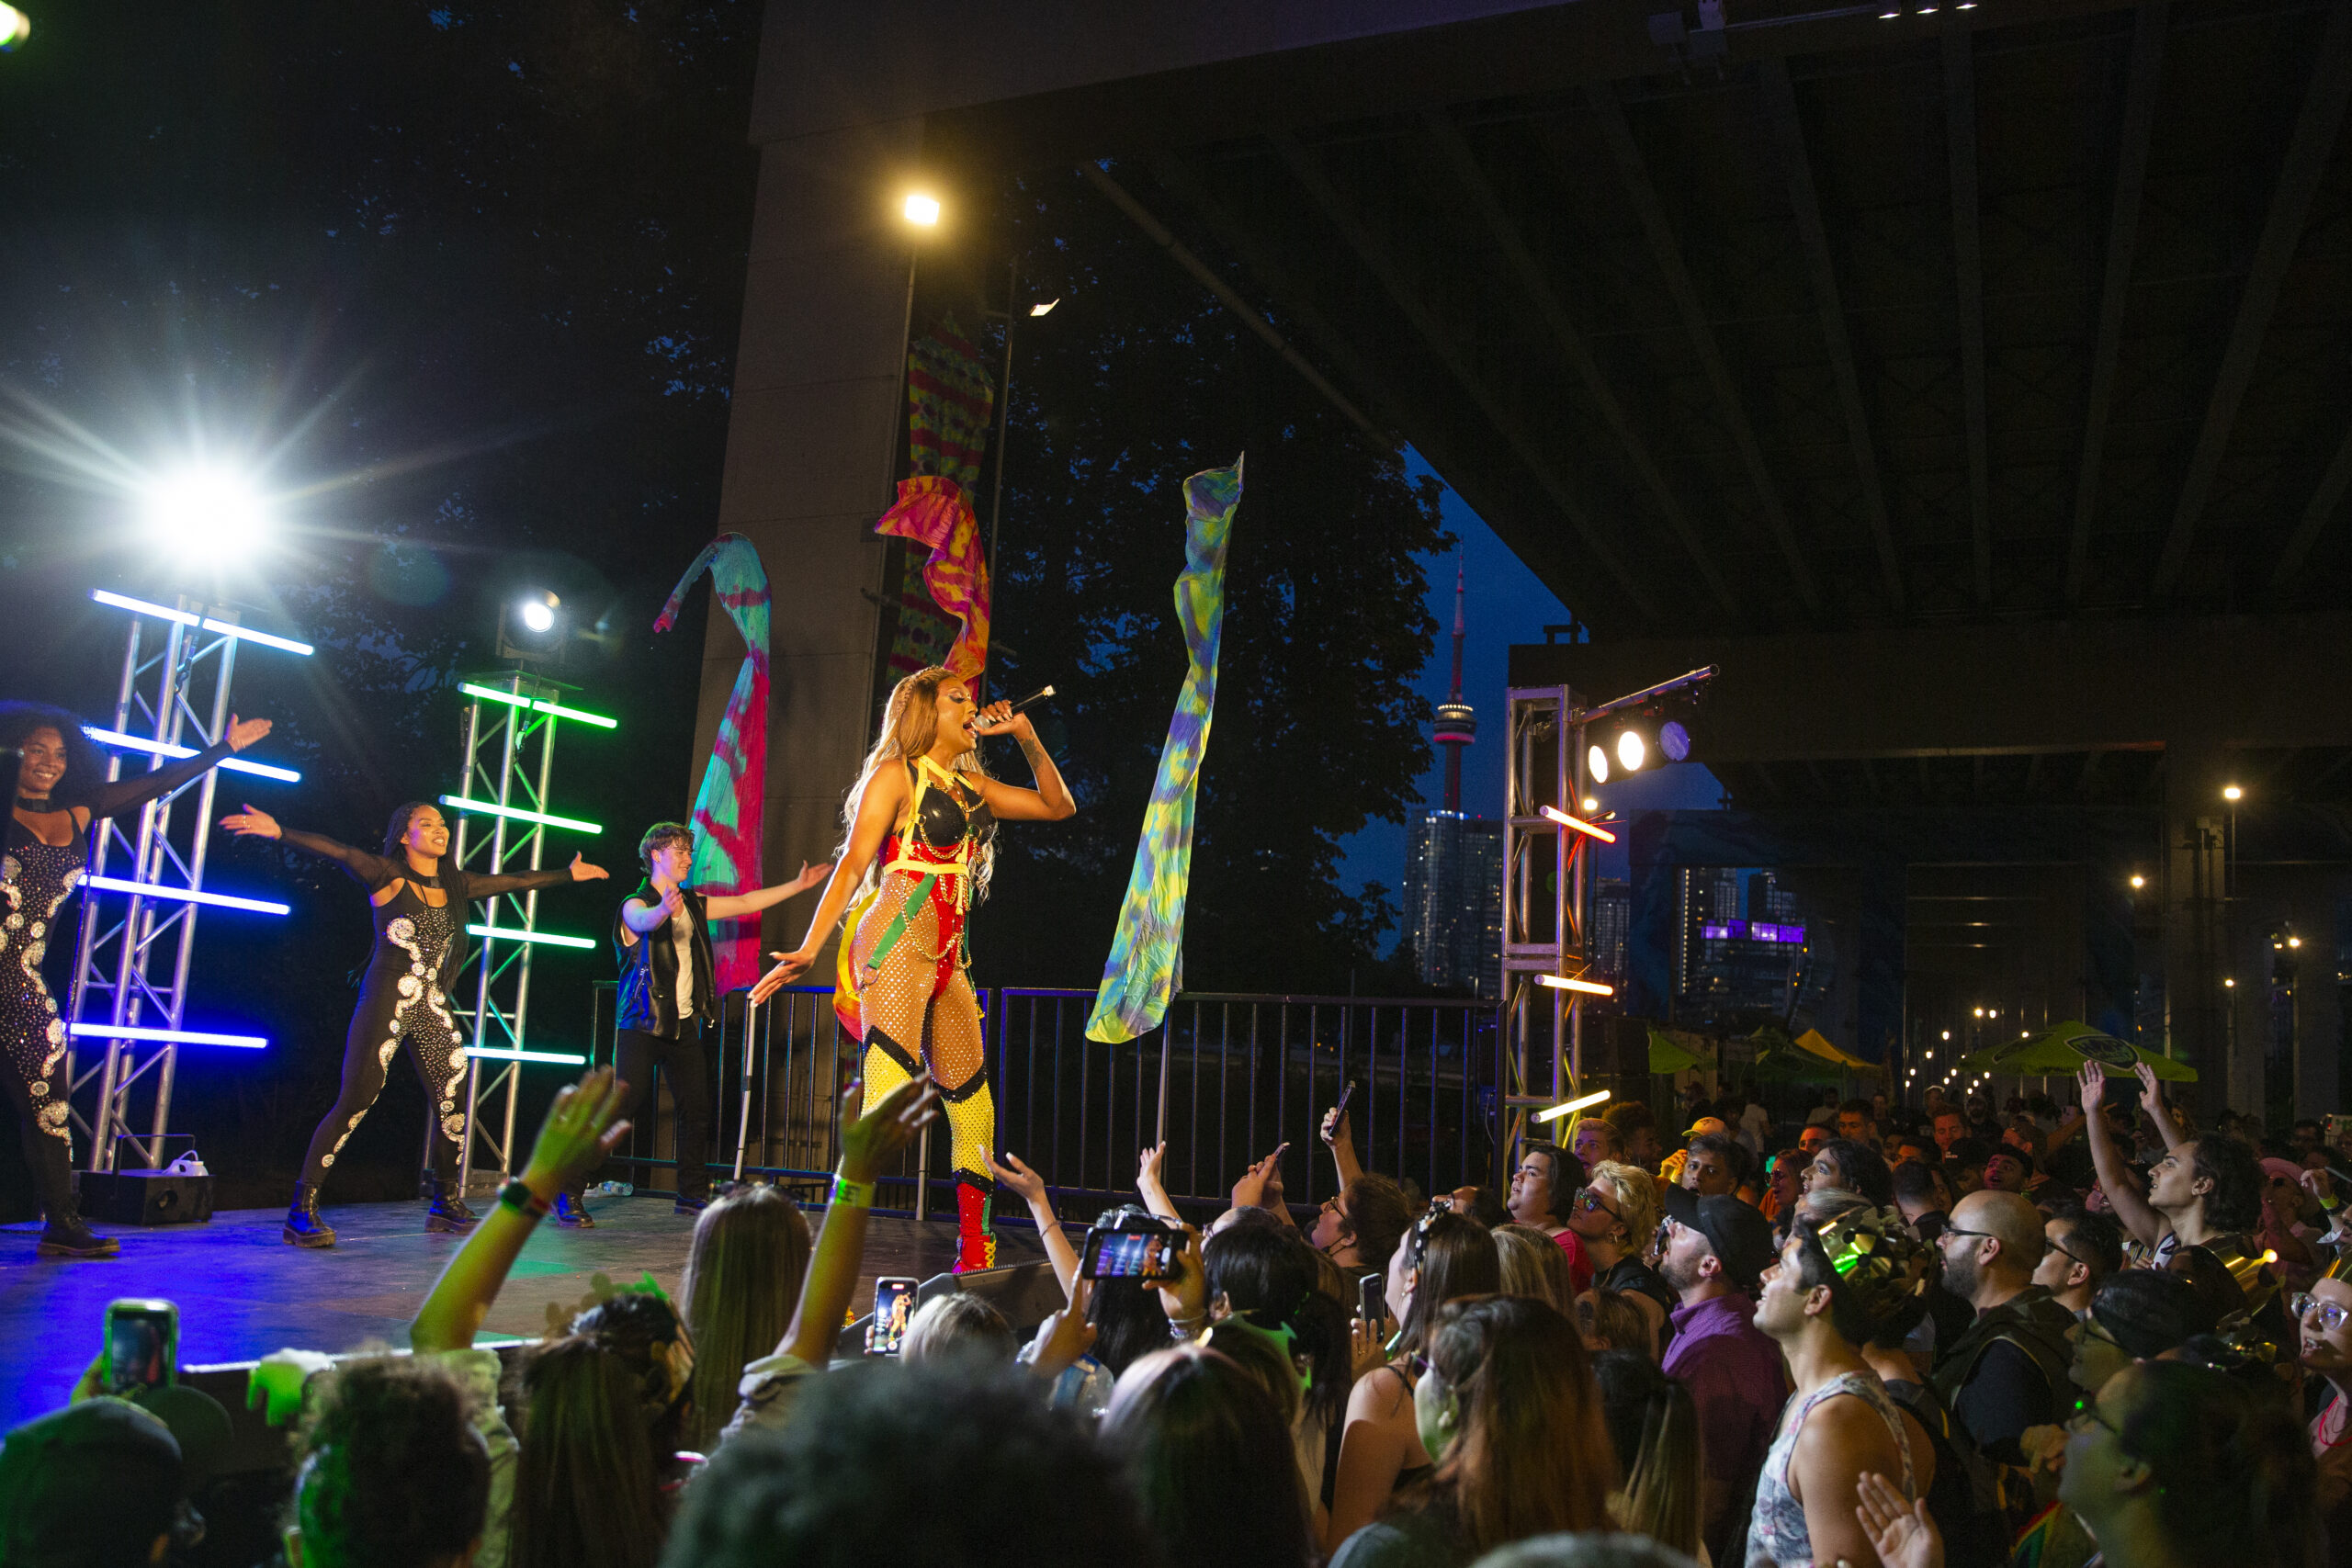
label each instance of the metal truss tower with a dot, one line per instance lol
(502, 826)
(144, 887)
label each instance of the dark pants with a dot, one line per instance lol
(50, 1156)
(683, 1062)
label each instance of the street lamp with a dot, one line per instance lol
(922, 209)
(2232, 791)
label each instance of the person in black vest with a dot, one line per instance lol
(668, 993)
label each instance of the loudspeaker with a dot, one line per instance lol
(144, 1197)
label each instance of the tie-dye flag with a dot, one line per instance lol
(729, 806)
(1147, 961)
(933, 511)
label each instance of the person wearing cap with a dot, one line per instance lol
(2007, 1371)
(1834, 1282)
(1716, 1250)
(101, 1483)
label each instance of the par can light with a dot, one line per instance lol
(1632, 752)
(1674, 741)
(1596, 763)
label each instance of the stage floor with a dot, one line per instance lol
(243, 1293)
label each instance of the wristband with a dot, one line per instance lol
(1185, 1327)
(518, 1195)
(851, 1194)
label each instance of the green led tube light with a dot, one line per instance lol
(491, 1053)
(513, 700)
(504, 933)
(495, 809)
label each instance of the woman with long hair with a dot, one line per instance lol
(587, 1493)
(419, 901)
(1263, 1281)
(1204, 1446)
(1654, 1430)
(60, 788)
(920, 824)
(745, 1271)
(1535, 1266)
(1444, 1255)
(1509, 1409)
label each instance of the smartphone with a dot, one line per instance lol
(1118, 1252)
(894, 1303)
(143, 1343)
(1371, 1299)
(1346, 1095)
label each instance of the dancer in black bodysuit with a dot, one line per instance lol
(420, 910)
(60, 788)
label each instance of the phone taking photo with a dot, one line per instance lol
(1346, 1095)
(1372, 1299)
(1122, 1253)
(143, 1343)
(894, 1306)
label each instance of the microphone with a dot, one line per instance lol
(1039, 696)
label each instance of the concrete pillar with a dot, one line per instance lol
(2196, 925)
(811, 454)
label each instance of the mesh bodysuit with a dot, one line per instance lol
(914, 988)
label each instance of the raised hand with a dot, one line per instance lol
(997, 718)
(1184, 1294)
(2092, 1082)
(789, 968)
(811, 876)
(870, 1142)
(1901, 1533)
(583, 872)
(1367, 1345)
(1018, 1180)
(1065, 1336)
(251, 824)
(244, 732)
(2152, 1092)
(578, 1133)
(1336, 1130)
(1250, 1192)
(1147, 1169)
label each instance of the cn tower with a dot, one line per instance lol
(1456, 725)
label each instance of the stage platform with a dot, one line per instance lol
(243, 1293)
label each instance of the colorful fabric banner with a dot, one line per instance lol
(932, 511)
(733, 797)
(1147, 961)
(950, 397)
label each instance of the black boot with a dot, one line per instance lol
(67, 1235)
(448, 1211)
(303, 1226)
(569, 1211)
(691, 1205)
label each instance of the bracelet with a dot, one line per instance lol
(518, 1195)
(851, 1194)
(1185, 1327)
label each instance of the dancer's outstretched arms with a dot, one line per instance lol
(123, 795)
(878, 810)
(578, 1133)
(734, 906)
(1050, 801)
(370, 871)
(525, 881)
(867, 1144)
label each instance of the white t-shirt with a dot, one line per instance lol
(681, 939)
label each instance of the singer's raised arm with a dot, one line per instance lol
(1050, 801)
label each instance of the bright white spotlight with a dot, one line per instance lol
(206, 515)
(14, 28)
(2232, 791)
(1631, 752)
(537, 615)
(1046, 309)
(1596, 763)
(922, 209)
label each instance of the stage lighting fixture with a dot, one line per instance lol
(537, 615)
(1674, 740)
(1631, 751)
(205, 515)
(1553, 1113)
(922, 210)
(1590, 804)
(14, 28)
(2138, 881)
(2232, 791)
(1596, 763)
(1046, 309)
(535, 628)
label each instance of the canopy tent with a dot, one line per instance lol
(2062, 1050)
(1814, 1041)
(1666, 1056)
(1786, 1063)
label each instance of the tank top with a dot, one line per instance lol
(1778, 1535)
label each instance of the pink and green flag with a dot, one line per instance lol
(1146, 963)
(729, 806)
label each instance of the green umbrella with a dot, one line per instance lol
(1788, 1064)
(2062, 1050)
(1666, 1056)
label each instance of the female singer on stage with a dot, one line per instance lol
(926, 806)
(420, 911)
(62, 788)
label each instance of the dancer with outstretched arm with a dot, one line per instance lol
(60, 788)
(925, 807)
(419, 905)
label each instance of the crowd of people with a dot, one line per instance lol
(1948, 1334)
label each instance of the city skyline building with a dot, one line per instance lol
(1453, 862)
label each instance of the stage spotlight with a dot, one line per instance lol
(1596, 763)
(535, 628)
(14, 28)
(1590, 804)
(1631, 751)
(204, 514)
(922, 210)
(1046, 309)
(538, 614)
(1674, 740)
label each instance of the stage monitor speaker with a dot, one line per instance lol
(144, 1197)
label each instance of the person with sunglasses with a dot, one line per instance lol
(2323, 1333)
(2084, 1248)
(2007, 1371)
(1613, 1215)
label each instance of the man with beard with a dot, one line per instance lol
(1716, 1252)
(2009, 1370)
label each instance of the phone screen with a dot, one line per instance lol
(894, 1303)
(1371, 1299)
(1125, 1254)
(141, 1351)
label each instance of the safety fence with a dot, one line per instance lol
(1225, 1080)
